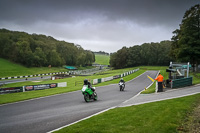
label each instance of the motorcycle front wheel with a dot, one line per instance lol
(87, 97)
(120, 88)
(95, 96)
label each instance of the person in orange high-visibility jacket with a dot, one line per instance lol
(160, 81)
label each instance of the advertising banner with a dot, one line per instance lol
(10, 90)
(53, 85)
(62, 84)
(28, 88)
(40, 87)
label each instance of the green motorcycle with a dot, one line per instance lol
(89, 94)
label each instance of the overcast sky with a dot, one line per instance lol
(97, 25)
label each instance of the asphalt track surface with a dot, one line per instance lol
(48, 113)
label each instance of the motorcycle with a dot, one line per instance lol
(89, 94)
(121, 86)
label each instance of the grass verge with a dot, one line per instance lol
(151, 89)
(157, 117)
(191, 123)
(162, 69)
(196, 78)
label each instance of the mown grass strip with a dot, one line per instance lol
(102, 59)
(157, 117)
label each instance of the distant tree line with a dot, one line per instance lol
(145, 54)
(40, 50)
(183, 47)
(101, 52)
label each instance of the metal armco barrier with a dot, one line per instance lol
(77, 72)
(10, 90)
(96, 81)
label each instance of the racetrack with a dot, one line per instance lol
(49, 113)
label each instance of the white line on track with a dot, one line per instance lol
(81, 119)
(161, 99)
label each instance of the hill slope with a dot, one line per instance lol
(9, 69)
(34, 50)
(102, 59)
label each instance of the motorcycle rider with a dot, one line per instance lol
(86, 82)
(121, 80)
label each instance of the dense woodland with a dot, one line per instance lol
(145, 54)
(183, 47)
(40, 50)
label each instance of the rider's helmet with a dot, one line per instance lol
(85, 82)
(121, 78)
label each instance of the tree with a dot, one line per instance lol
(39, 57)
(134, 56)
(186, 42)
(54, 59)
(24, 53)
(146, 54)
(120, 58)
(113, 59)
(89, 57)
(81, 59)
(164, 53)
(175, 47)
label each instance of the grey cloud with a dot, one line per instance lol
(147, 11)
(95, 23)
